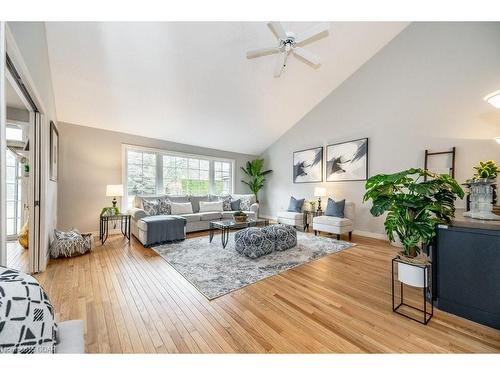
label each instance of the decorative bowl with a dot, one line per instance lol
(240, 218)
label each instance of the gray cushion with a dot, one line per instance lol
(191, 217)
(253, 242)
(206, 216)
(295, 205)
(178, 198)
(226, 203)
(235, 205)
(283, 236)
(335, 209)
(164, 207)
(196, 199)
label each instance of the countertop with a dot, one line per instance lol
(467, 222)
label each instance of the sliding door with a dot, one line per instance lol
(3, 148)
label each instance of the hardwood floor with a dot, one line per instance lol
(17, 256)
(132, 301)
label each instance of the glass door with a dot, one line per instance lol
(13, 195)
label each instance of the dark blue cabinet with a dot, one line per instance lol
(467, 273)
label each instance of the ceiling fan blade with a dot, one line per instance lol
(262, 52)
(278, 69)
(308, 56)
(312, 34)
(277, 29)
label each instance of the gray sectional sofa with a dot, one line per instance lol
(195, 221)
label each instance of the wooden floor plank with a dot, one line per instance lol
(133, 301)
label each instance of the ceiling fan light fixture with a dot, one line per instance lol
(493, 99)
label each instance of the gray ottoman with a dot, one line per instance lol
(253, 242)
(283, 236)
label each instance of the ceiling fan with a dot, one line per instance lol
(289, 43)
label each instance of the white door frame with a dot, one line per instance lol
(3, 148)
(38, 155)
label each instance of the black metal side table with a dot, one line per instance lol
(104, 225)
(426, 292)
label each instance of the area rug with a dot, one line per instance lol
(215, 271)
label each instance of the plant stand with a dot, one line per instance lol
(426, 290)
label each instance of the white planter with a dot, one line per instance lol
(412, 275)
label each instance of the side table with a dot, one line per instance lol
(104, 225)
(312, 214)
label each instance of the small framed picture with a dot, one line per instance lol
(347, 161)
(308, 165)
(54, 153)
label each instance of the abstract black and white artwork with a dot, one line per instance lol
(308, 165)
(347, 161)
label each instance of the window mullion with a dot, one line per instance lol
(211, 177)
(159, 174)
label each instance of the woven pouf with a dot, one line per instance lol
(283, 236)
(68, 244)
(253, 242)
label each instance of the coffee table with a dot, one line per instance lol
(225, 227)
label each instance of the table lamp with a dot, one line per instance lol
(319, 192)
(114, 191)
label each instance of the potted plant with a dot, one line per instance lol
(413, 207)
(240, 217)
(486, 169)
(254, 170)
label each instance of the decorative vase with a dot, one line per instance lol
(481, 199)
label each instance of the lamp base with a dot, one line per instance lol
(114, 201)
(319, 204)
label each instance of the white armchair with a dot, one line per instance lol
(297, 219)
(336, 225)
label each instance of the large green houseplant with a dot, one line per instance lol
(255, 170)
(413, 206)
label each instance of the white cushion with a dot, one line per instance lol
(332, 220)
(207, 216)
(192, 217)
(210, 206)
(291, 215)
(70, 337)
(181, 208)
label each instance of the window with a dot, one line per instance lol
(161, 172)
(222, 177)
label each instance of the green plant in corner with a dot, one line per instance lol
(486, 169)
(413, 206)
(255, 170)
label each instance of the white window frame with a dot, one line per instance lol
(159, 168)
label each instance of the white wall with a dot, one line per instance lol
(30, 38)
(424, 90)
(91, 158)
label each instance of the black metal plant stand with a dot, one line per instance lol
(427, 295)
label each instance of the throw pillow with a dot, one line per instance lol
(295, 205)
(226, 204)
(335, 209)
(181, 208)
(164, 206)
(235, 205)
(27, 323)
(245, 203)
(211, 206)
(150, 206)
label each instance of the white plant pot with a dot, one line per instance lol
(412, 275)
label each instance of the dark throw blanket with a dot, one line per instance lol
(164, 228)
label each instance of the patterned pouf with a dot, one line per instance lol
(27, 323)
(283, 236)
(253, 242)
(68, 244)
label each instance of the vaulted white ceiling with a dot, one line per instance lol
(191, 82)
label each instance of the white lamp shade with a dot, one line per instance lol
(497, 139)
(493, 99)
(319, 192)
(114, 190)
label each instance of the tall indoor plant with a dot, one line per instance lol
(413, 206)
(255, 170)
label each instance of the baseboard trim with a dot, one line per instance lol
(378, 236)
